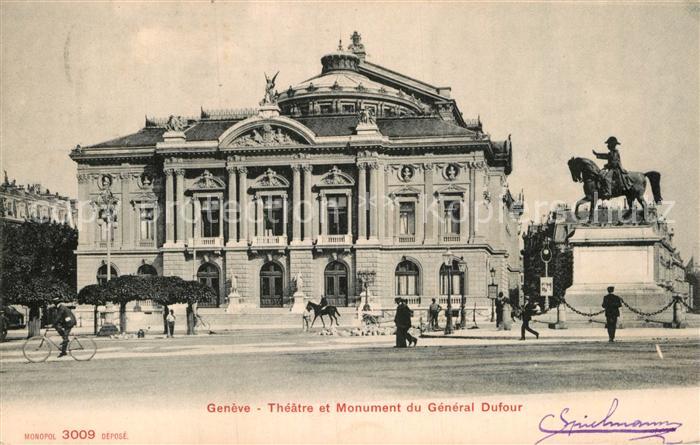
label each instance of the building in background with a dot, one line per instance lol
(357, 169)
(20, 203)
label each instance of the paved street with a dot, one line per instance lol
(250, 365)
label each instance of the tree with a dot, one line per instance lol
(93, 294)
(561, 266)
(124, 289)
(38, 264)
(174, 290)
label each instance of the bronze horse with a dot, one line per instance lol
(331, 311)
(586, 171)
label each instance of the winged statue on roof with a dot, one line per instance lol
(270, 93)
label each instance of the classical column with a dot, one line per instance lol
(243, 202)
(169, 207)
(180, 192)
(232, 204)
(307, 227)
(296, 204)
(285, 209)
(348, 197)
(373, 203)
(362, 202)
(379, 201)
(126, 211)
(259, 222)
(429, 204)
(323, 213)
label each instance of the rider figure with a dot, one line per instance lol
(63, 323)
(324, 302)
(614, 165)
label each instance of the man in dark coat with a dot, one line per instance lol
(63, 323)
(403, 324)
(614, 166)
(434, 311)
(499, 302)
(529, 310)
(612, 304)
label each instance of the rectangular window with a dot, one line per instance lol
(337, 215)
(273, 215)
(348, 108)
(452, 216)
(407, 218)
(326, 108)
(210, 221)
(146, 224)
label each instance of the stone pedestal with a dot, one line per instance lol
(268, 110)
(299, 303)
(235, 303)
(619, 256)
(561, 318)
(507, 320)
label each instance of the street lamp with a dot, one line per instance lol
(493, 292)
(366, 277)
(106, 205)
(447, 259)
(462, 311)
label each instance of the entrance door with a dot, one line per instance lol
(336, 288)
(271, 285)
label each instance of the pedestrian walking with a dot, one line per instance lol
(500, 302)
(433, 312)
(170, 319)
(306, 318)
(612, 304)
(528, 311)
(402, 319)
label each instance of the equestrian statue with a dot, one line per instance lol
(612, 181)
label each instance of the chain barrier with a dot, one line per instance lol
(650, 314)
(690, 309)
(585, 314)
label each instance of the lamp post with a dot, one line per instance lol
(546, 256)
(106, 204)
(493, 292)
(447, 259)
(462, 311)
(366, 277)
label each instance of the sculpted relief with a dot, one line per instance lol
(266, 135)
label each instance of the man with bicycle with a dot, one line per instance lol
(63, 323)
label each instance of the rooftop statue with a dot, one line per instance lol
(270, 93)
(366, 117)
(176, 123)
(612, 181)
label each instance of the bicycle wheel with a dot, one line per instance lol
(82, 348)
(36, 349)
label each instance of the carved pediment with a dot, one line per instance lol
(149, 197)
(453, 189)
(267, 135)
(336, 177)
(270, 179)
(207, 181)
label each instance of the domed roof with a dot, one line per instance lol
(340, 78)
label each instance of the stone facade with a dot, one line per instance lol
(20, 203)
(358, 169)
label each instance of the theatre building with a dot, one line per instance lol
(358, 169)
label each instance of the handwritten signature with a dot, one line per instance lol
(642, 429)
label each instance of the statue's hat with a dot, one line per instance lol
(612, 140)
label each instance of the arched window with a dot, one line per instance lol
(407, 278)
(102, 274)
(147, 269)
(208, 274)
(458, 281)
(336, 284)
(271, 285)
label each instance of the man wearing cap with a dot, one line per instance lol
(63, 323)
(614, 165)
(612, 304)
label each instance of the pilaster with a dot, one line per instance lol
(362, 202)
(307, 226)
(296, 204)
(232, 206)
(180, 192)
(169, 207)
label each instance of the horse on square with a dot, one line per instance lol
(330, 311)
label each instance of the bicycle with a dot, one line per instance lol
(37, 349)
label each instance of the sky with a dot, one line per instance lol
(559, 77)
